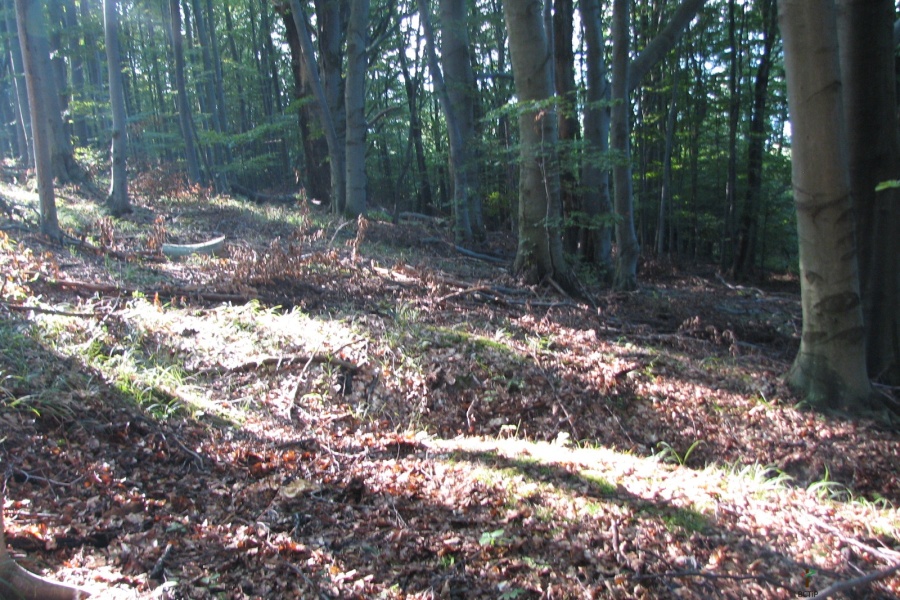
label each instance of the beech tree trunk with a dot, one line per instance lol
(461, 89)
(628, 249)
(326, 112)
(830, 368)
(117, 201)
(540, 253)
(29, 19)
(596, 237)
(355, 103)
(462, 226)
(870, 111)
(191, 158)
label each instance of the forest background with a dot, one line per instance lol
(572, 142)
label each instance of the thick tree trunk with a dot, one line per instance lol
(596, 236)
(540, 253)
(830, 368)
(29, 19)
(355, 103)
(665, 191)
(869, 95)
(118, 189)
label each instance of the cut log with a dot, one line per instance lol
(178, 250)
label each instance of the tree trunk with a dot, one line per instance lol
(830, 368)
(734, 116)
(596, 236)
(315, 176)
(665, 191)
(628, 249)
(462, 226)
(335, 148)
(29, 20)
(184, 107)
(23, 111)
(424, 199)
(118, 189)
(870, 100)
(564, 77)
(745, 249)
(355, 103)
(540, 253)
(460, 81)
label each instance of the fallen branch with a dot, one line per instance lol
(49, 311)
(842, 586)
(470, 253)
(261, 198)
(715, 576)
(281, 362)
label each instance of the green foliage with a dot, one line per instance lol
(667, 453)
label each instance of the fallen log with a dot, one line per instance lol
(179, 250)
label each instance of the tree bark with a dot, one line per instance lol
(596, 236)
(462, 226)
(628, 249)
(569, 133)
(23, 111)
(870, 112)
(745, 249)
(355, 104)
(830, 368)
(539, 254)
(192, 161)
(335, 148)
(460, 82)
(29, 20)
(117, 201)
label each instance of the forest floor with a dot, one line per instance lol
(356, 410)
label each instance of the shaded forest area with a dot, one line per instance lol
(479, 299)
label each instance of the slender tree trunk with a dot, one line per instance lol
(23, 110)
(830, 368)
(77, 61)
(236, 59)
(335, 148)
(564, 76)
(118, 190)
(462, 226)
(184, 107)
(665, 192)
(29, 20)
(745, 249)
(410, 83)
(540, 252)
(734, 116)
(355, 103)
(315, 175)
(596, 236)
(870, 111)
(460, 82)
(628, 248)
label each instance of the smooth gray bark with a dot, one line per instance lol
(462, 227)
(870, 110)
(29, 21)
(335, 148)
(539, 254)
(117, 201)
(830, 368)
(355, 103)
(192, 161)
(597, 237)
